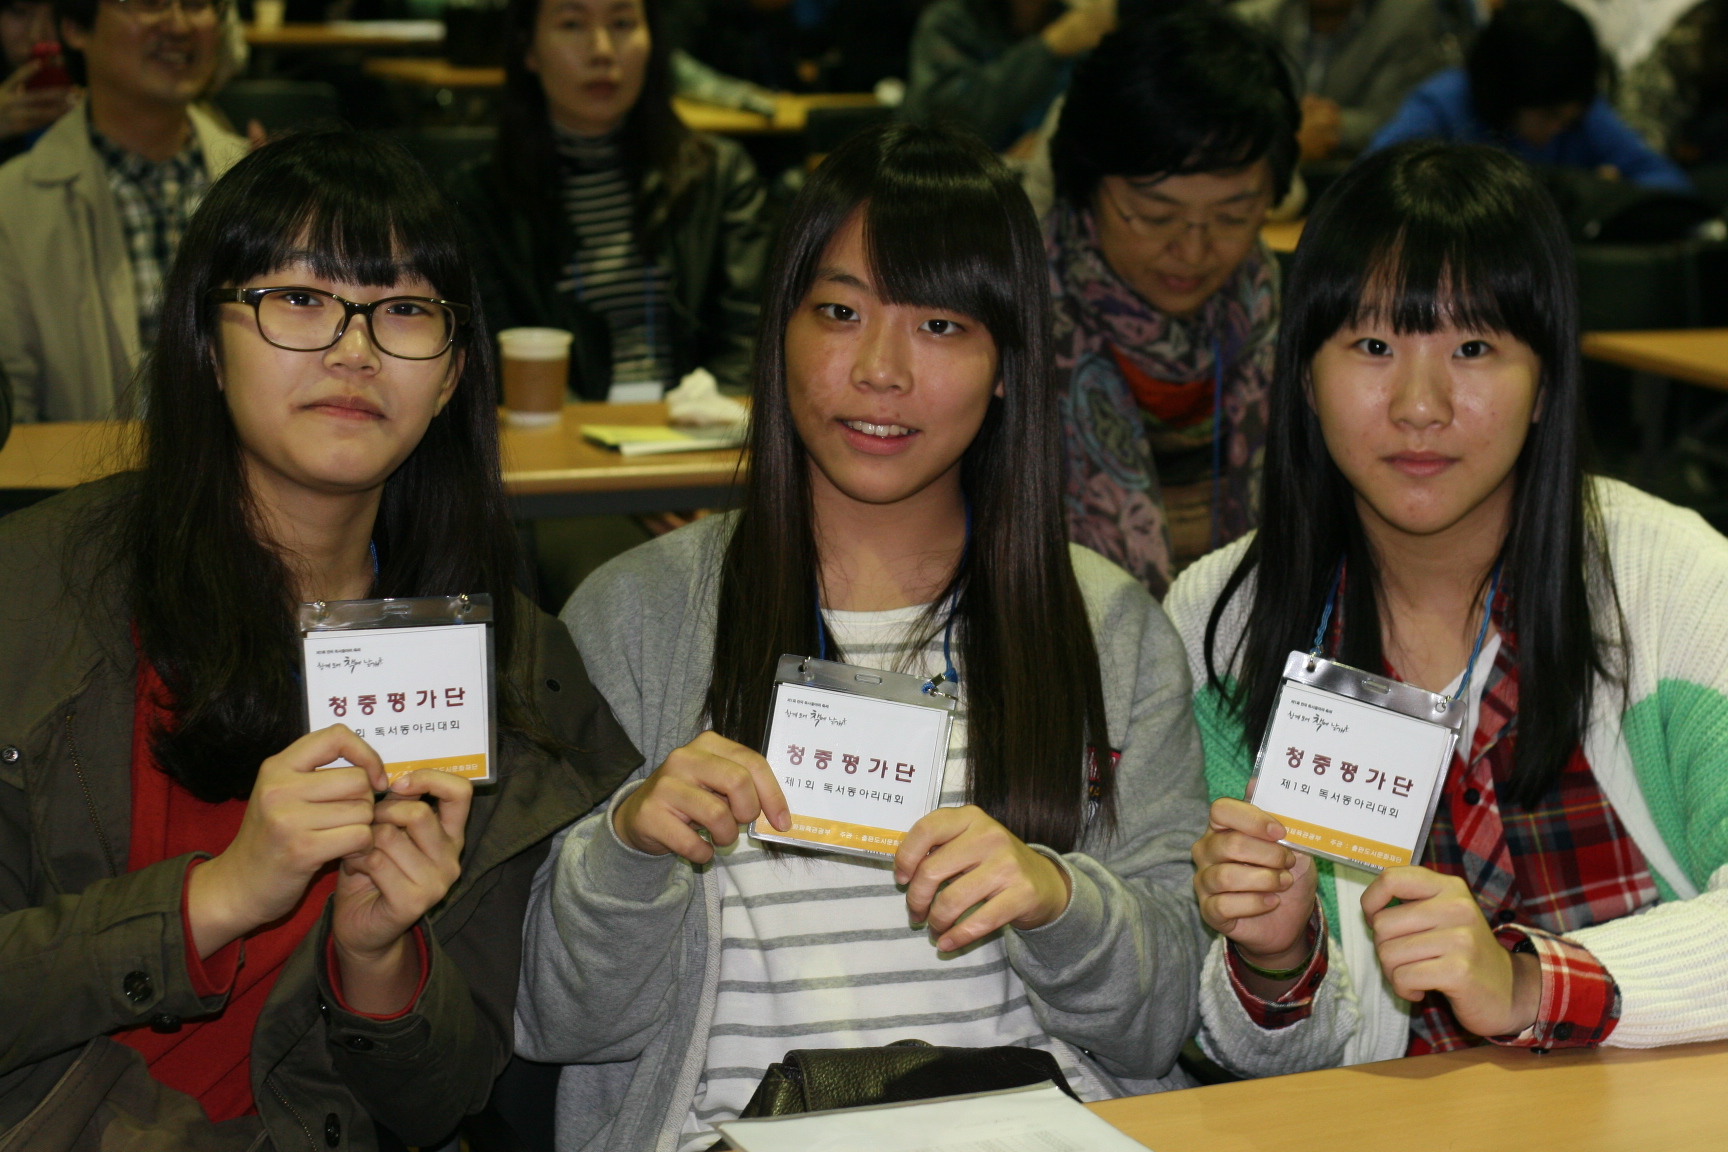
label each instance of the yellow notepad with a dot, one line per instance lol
(654, 439)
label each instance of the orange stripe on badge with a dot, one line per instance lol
(814, 830)
(1330, 840)
(473, 767)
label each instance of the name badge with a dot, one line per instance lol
(859, 753)
(412, 677)
(1352, 764)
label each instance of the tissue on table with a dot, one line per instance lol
(697, 402)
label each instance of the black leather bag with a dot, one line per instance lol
(818, 1079)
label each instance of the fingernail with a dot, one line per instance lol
(1285, 879)
(1275, 830)
(400, 784)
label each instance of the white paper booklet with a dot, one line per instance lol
(1040, 1118)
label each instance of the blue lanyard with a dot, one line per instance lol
(948, 675)
(1475, 649)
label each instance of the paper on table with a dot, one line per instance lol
(659, 439)
(1040, 1118)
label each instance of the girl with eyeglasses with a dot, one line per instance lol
(205, 940)
(1178, 134)
(1429, 518)
(900, 513)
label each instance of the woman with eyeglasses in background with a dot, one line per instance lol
(1178, 134)
(206, 941)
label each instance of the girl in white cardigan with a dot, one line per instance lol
(1422, 476)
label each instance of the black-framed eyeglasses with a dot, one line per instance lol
(308, 320)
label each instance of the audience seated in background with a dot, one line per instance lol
(1425, 478)
(600, 213)
(995, 65)
(207, 914)
(91, 216)
(797, 45)
(1178, 134)
(1355, 62)
(1529, 85)
(1677, 97)
(25, 112)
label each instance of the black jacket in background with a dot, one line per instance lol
(712, 246)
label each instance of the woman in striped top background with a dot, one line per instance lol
(906, 476)
(600, 213)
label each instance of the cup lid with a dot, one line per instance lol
(535, 343)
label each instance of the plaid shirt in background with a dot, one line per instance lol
(156, 200)
(1564, 864)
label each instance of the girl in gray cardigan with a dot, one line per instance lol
(903, 510)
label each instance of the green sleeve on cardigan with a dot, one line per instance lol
(1676, 736)
(1229, 765)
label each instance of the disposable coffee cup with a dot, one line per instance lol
(267, 14)
(536, 369)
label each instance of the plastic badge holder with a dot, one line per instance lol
(1355, 733)
(838, 730)
(413, 677)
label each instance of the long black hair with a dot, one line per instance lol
(1421, 236)
(945, 226)
(1190, 90)
(662, 158)
(211, 598)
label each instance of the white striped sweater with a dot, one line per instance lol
(818, 951)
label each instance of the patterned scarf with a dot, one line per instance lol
(1114, 502)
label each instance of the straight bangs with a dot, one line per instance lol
(938, 232)
(349, 216)
(1438, 250)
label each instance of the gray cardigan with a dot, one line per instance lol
(619, 976)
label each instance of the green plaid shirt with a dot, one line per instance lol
(156, 200)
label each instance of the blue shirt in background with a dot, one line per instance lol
(1441, 109)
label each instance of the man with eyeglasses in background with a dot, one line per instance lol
(91, 216)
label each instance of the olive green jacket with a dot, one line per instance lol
(87, 947)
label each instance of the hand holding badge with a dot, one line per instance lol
(411, 677)
(1352, 764)
(859, 753)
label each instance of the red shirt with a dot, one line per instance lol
(210, 1059)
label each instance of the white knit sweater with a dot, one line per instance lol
(1659, 750)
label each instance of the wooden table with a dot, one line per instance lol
(1479, 1100)
(349, 34)
(1695, 355)
(547, 471)
(791, 110)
